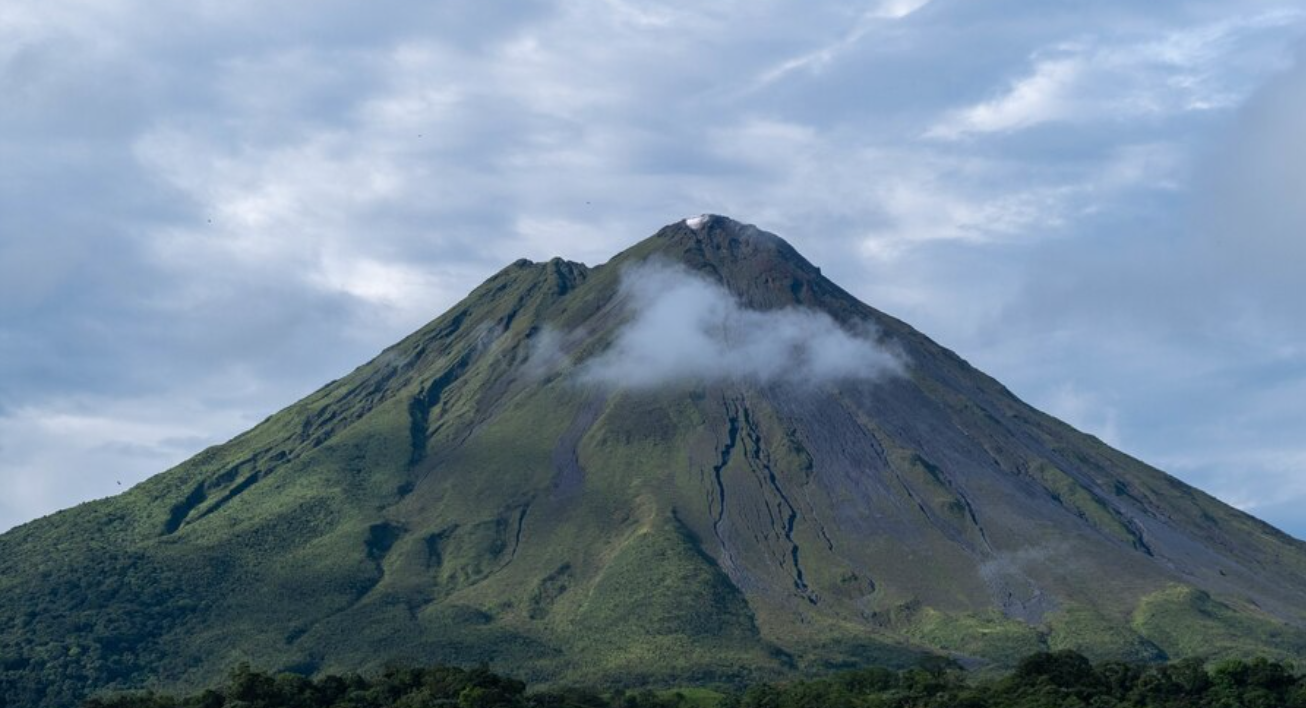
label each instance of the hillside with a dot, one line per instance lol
(701, 461)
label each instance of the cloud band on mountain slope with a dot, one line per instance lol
(685, 328)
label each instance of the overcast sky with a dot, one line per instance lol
(210, 208)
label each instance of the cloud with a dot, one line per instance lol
(96, 447)
(898, 9)
(884, 202)
(1090, 80)
(818, 59)
(1048, 93)
(1251, 215)
(1255, 480)
(1087, 412)
(1203, 314)
(685, 328)
(252, 198)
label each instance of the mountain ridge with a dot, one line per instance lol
(474, 493)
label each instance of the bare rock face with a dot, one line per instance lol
(701, 461)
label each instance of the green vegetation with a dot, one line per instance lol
(1047, 680)
(1185, 621)
(987, 634)
(465, 497)
(662, 609)
(1099, 637)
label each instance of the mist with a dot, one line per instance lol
(685, 328)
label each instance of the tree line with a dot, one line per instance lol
(1061, 679)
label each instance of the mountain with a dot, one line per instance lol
(702, 461)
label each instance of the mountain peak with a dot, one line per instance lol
(702, 221)
(757, 266)
(715, 228)
(697, 222)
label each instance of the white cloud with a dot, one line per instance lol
(898, 9)
(684, 328)
(394, 285)
(1094, 79)
(922, 206)
(899, 198)
(298, 209)
(818, 59)
(362, 169)
(1048, 93)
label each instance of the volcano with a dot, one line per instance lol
(700, 462)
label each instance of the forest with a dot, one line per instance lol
(1062, 679)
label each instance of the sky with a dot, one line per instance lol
(209, 209)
